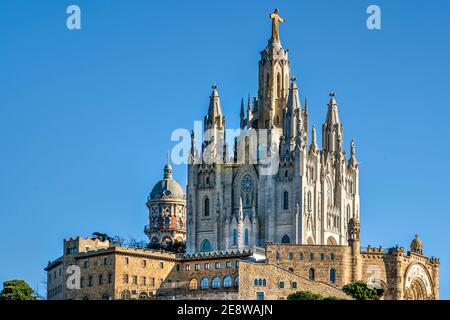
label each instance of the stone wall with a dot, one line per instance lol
(300, 259)
(272, 276)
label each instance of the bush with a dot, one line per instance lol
(361, 291)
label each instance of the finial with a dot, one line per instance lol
(214, 86)
(294, 78)
(332, 94)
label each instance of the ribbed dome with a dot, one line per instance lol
(167, 187)
(417, 245)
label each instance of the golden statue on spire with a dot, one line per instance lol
(275, 20)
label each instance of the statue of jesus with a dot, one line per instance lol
(275, 20)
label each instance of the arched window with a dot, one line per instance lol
(255, 282)
(235, 236)
(143, 296)
(260, 282)
(206, 245)
(301, 256)
(332, 256)
(125, 295)
(312, 274)
(277, 256)
(246, 237)
(216, 283)
(204, 283)
(206, 207)
(193, 284)
(227, 282)
(105, 296)
(236, 281)
(264, 282)
(286, 200)
(286, 239)
(332, 275)
(290, 255)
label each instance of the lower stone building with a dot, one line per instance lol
(91, 269)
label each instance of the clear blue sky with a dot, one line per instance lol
(86, 116)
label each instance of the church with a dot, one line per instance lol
(309, 196)
(272, 215)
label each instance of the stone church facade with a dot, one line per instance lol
(309, 196)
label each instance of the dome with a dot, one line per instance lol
(417, 245)
(167, 187)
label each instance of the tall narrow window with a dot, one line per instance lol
(246, 237)
(206, 207)
(309, 201)
(312, 274)
(332, 275)
(286, 200)
(235, 237)
(279, 85)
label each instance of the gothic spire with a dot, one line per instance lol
(215, 108)
(242, 115)
(332, 129)
(214, 118)
(292, 109)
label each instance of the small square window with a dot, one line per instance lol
(281, 285)
(197, 267)
(86, 264)
(126, 260)
(217, 265)
(228, 264)
(294, 285)
(187, 267)
(236, 264)
(206, 266)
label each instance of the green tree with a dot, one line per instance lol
(17, 290)
(305, 295)
(361, 291)
(308, 295)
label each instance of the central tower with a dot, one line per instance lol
(274, 75)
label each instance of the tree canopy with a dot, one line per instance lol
(17, 290)
(361, 291)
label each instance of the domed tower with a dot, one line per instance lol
(167, 211)
(417, 245)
